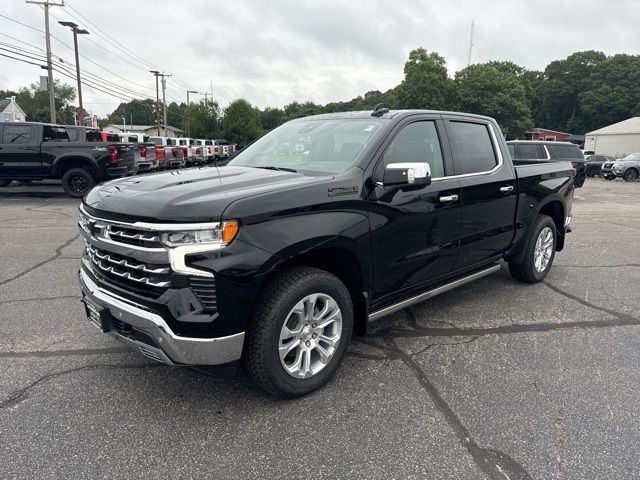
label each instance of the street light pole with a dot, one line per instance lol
(77, 31)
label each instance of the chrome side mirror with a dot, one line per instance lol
(410, 174)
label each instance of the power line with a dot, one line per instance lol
(113, 40)
(94, 78)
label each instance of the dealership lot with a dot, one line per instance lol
(496, 379)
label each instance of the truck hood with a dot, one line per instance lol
(192, 195)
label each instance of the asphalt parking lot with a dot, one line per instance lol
(494, 380)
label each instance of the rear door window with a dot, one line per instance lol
(567, 151)
(16, 134)
(473, 148)
(530, 151)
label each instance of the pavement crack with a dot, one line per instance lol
(56, 255)
(21, 394)
(493, 463)
(64, 353)
(619, 315)
(41, 299)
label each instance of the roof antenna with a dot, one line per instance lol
(379, 110)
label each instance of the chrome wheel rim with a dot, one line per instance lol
(310, 335)
(543, 250)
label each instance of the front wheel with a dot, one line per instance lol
(631, 175)
(300, 332)
(77, 181)
(539, 253)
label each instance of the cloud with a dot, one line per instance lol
(273, 52)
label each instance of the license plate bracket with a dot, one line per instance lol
(98, 316)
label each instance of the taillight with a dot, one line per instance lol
(159, 152)
(143, 151)
(215, 149)
(185, 152)
(174, 152)
(574, 172)
(198, 151)
(113, 153)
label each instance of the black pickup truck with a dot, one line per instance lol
(321, 226)
(38, 151)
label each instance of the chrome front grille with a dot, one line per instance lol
(130, 236)
(607, 165)
(129, 270)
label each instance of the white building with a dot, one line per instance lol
(619, 139)
(150, 130)
(10, 111)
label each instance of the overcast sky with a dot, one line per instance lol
(272, 52)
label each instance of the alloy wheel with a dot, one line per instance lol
(310, 335)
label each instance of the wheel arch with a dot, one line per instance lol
(339, 260)
(64, 164)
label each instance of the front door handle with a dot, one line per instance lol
(448, 198)
(507, 189)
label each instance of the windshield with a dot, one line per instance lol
(322, 146)
(632, 158)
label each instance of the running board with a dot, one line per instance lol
(432, 293)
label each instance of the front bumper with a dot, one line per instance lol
(149, 334)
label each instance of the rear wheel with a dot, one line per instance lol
(631, 175)
(78, 181)
(539, 253)
(300, 332)
(5, 183)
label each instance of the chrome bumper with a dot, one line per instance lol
(173, 350)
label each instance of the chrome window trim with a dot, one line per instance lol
(546, 150)
(163, 227)
(496, 148)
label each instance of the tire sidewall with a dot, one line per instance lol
(541, 225)
(327, 284)
(66, 179)
(633, 172)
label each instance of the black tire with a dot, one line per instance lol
(5, 183)
(526, 271)
(630, 175)
(76, 182)
(260, 357)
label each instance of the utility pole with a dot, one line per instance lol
(188, 123)
(164, 101)
(77, 31)
(52, 98)
(473, 24)
(157, 74)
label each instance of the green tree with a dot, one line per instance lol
(563, 82)
(426, 83)
(35, 102)
(241, 122)
(297, 110)
(271, 118)
(176, 113)
(140, 112)
(496, 91)
(202, 119)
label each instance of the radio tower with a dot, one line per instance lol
(473, 23)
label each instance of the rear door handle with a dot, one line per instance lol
(507, 189)
(448, 198)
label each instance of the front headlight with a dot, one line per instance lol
(182, 243)
(218, 234)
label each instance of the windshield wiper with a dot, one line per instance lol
(280, 169)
